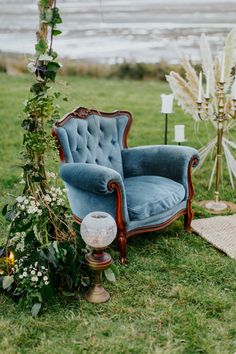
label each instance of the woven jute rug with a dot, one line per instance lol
(220, 231)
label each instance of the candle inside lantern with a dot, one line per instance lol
(179, 133)
(200, 88)
(167, 103)
(222, 73)
(11, 257)
(234, 89)
(208, 84)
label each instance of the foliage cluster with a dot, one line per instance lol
(42, 252)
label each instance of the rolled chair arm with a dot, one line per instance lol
(90, 177)
(168, 161)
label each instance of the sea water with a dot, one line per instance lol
(116, 30)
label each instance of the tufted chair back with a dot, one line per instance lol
(90, 136)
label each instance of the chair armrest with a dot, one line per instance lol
(169, 161)
(90, 177)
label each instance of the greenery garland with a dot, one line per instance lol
(42, 253)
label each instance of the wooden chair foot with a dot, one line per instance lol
(187, 221)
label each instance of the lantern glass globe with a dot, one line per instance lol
(98, 229)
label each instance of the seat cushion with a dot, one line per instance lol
(151, 195)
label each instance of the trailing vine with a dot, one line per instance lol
(47, 255)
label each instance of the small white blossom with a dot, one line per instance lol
(33, 272)
(39, 274)
(21, 276)
(20, 199)
(31, 67)
(45, 278)
(47, 198)
(36, 263)
(35, 279)
(51, 175)
(24, 274)
(26, 201)
(46, 282)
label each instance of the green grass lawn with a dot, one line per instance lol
(177, 295)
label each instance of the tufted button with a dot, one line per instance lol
(109, 158)
(113, 142)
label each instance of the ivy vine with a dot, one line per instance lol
(46, 249)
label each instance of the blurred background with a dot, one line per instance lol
(101, 32)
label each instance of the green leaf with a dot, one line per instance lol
(7, 281)
(110, 275)
(41, 46)
(56, 32)
(35, 309)
(55, 246)
(115, 269)
(69, 294)
(53, 66)
(4, 210)
(44, 3)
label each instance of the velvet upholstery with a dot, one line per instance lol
(95, 140)
(151, 195)
(143, 188)
(169, 161)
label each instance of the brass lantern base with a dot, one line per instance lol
(97, 294)
(98, 261)
(217, 207)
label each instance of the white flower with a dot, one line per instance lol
(45, 278)
(33, 272)
(60, 201)
(26, 201)
(39, 274)
(31, 67)
(25, 269)
(35, 278)
(46, 282)
(32, 209)
(21, 276)
(43, 267)
(22, 207)
(20, 199)
(36, 263)
(51, 175)
(24, 274)
(47, 198)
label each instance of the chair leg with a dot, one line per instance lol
(188, 217)
(122, 246)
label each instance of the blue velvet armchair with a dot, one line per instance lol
(144, 188)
